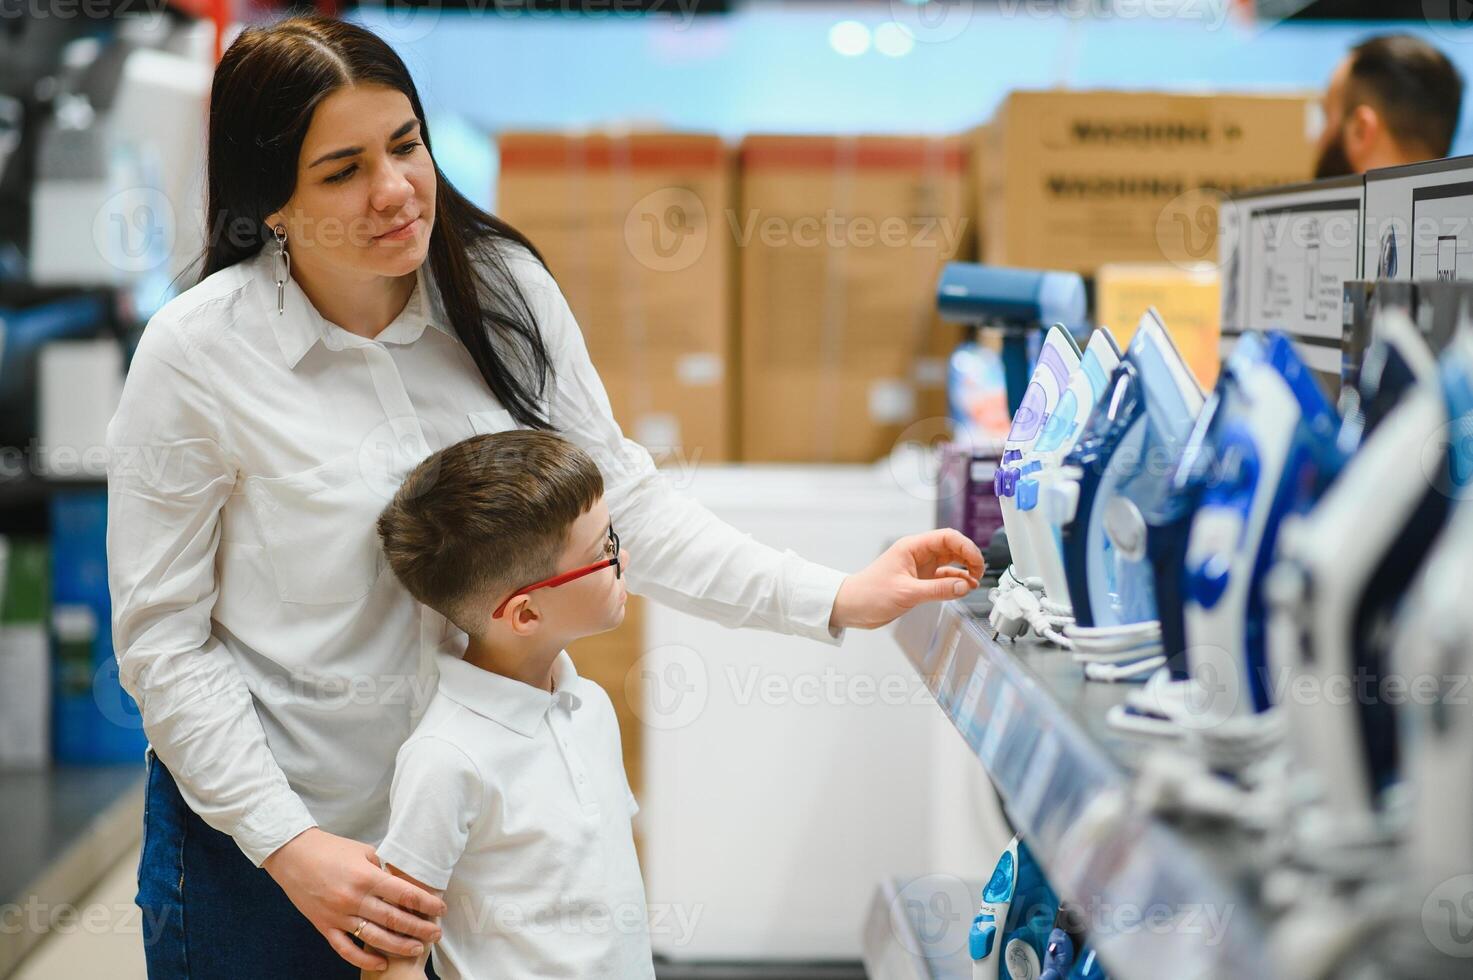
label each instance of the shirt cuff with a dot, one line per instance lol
(263, 830)
(811, 600)
(390, 852)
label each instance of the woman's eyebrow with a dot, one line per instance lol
(355, 150)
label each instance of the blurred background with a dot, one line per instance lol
(747, 204)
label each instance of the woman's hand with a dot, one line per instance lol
(337, 883)
(913, 570)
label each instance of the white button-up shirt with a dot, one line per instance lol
(513, 801)
(277, 663)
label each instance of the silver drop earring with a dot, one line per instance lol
(283, 263)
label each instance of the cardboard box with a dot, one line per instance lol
(607, 659)
(1073, 180)
(1189, 301)
(632, 228)
(841, 242)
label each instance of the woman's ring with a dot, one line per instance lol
(358, 933)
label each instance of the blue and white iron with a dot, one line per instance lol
(1033, 541)
(1343, 572)
(1010, 933)
(1272, 444)
(1042, 465)
(1432, 651)
(1171, 524)
(1123, 465)
(1058, 358)
(1069, 955)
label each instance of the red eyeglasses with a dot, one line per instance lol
(566, 577)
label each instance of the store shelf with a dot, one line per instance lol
(63, 829)
(917, 929)
(1160, 902)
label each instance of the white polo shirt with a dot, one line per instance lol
(515, 803)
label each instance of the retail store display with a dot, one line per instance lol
(79, 386)
(1417, 223)
(840, 241)
(1345, 569)
(1042, 468)
(976, 391)
(25, 333)
(633, 227)
(1078, 179)
(1286, 565)
(1010, 933)
(967, 499)
(1188, 296)
(1033, 592)
(1017, 304)
(1432, 651)
(1272, 442)
(1058, 359)
(1068, 955)
(25, 662)
(1122, 462)
(1287, 252)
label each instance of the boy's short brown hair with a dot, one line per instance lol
(482, 517)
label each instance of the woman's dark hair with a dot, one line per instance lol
(266, 88)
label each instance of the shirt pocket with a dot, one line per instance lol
(485, 423)
(320, 531)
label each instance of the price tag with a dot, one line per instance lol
(973, 693)
(938, 669)
(1040, 771)
(1002, 713)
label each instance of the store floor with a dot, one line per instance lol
(109, 945)
(112, 947)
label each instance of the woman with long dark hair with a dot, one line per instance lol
(355, 314)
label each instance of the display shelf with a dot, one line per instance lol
(64, 828)
(917, 929)
(1159, 902)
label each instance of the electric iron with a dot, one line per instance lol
(1119, 471)
(1396, 358)
(1086, 386)
(1069, 955)
(1343, 571)
(1058, 358)
(1166, 542)
(1433, 653)
(1010, 933)
(1042, 562)
(1272, 440)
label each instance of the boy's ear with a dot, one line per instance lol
(522, 616)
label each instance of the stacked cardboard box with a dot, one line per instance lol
(1188, 299)
(632, 226)
(1072, 180)
(841, 242)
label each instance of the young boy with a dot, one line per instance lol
(509, 799)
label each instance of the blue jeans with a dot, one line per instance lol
(208, 912)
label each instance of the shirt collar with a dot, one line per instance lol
(508, 702)
(299, 326)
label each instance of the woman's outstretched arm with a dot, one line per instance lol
(691, 560)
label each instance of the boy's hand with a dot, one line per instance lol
(917, 568)
(337, 884)
(402, 968)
